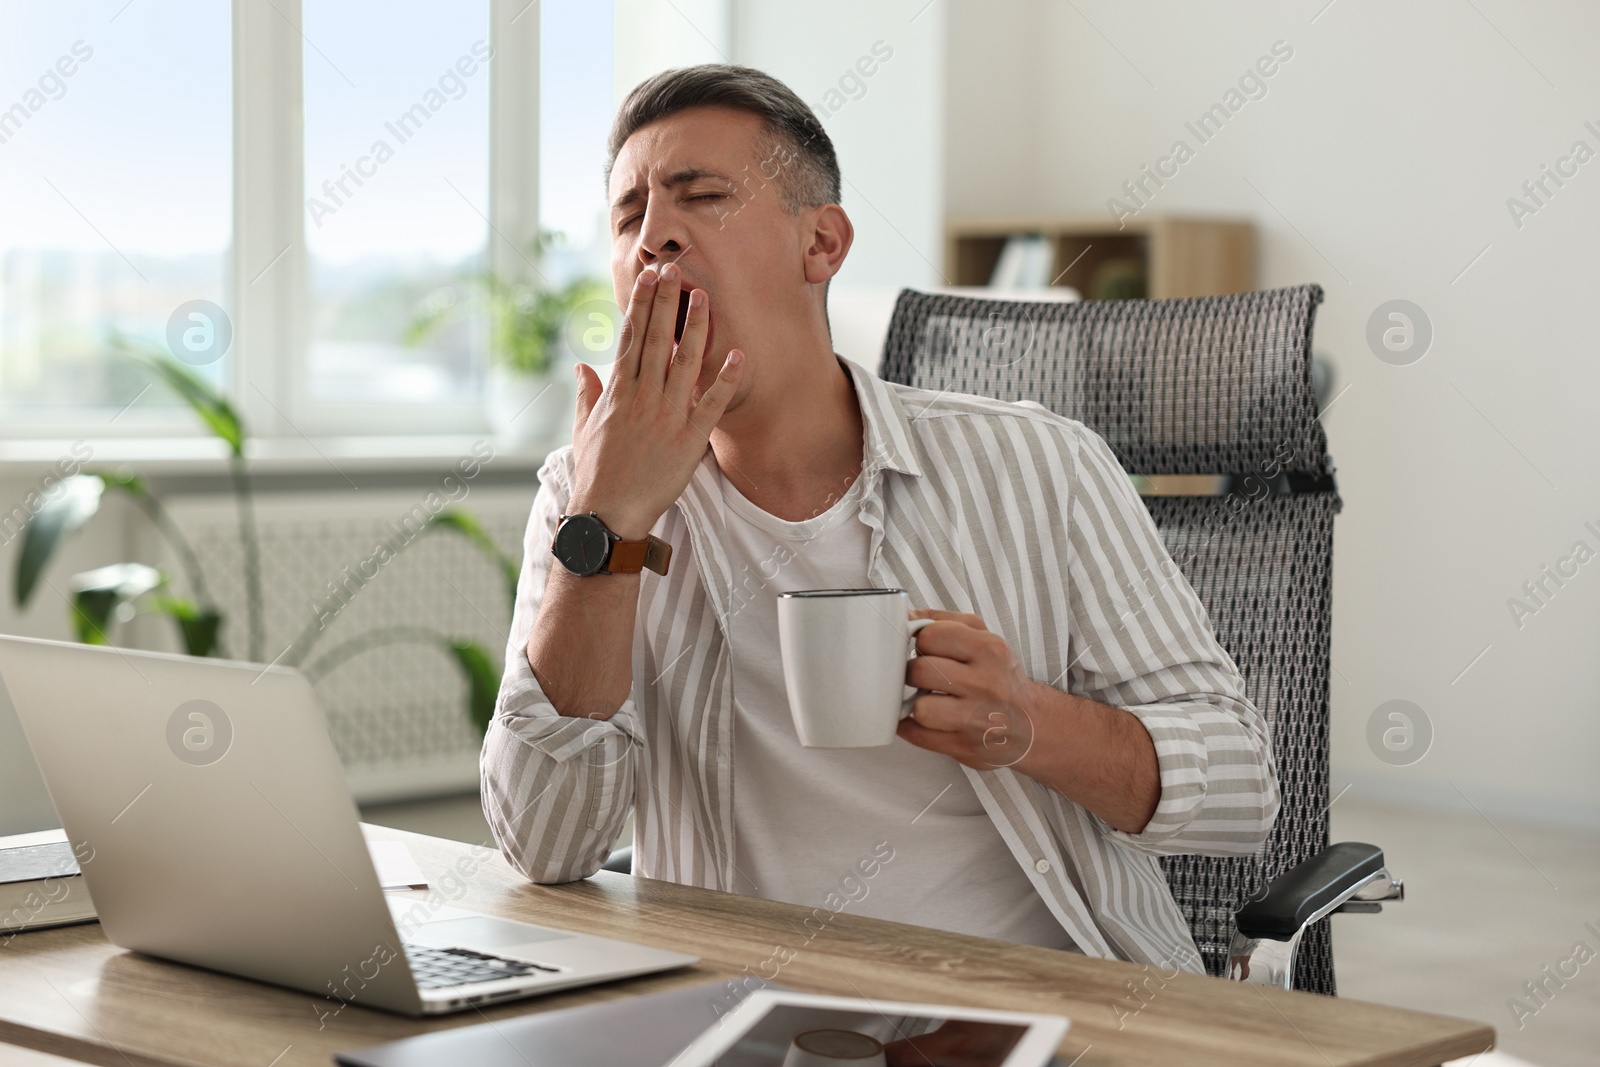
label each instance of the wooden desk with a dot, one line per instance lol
(12, 1056)
(69, 992)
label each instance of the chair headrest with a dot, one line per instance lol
(1202, 385)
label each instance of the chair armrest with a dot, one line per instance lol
(1308, 891)
(1267, 930)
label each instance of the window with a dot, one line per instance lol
(313, 168)
(115, 199)
(397, 196)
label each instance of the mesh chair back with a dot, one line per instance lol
(1204, 386)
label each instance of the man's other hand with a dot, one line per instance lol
(977, 700)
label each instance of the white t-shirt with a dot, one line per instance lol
(809, 822)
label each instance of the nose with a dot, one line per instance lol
(661, 235)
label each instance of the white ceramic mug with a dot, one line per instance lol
(834, 1048)
(844, 663)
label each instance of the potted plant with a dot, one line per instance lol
(102, 598)
(531, 325)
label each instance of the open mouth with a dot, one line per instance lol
(683, 315)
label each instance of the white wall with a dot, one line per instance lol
(652, 36)
(886, 125)
(1378, 164)
(874, 73)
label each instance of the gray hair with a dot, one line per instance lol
(789, 125)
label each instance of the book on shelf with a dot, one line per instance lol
(40, 884)
(1024, 263)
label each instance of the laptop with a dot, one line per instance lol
(213, 825)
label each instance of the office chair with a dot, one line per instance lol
(1207, 402)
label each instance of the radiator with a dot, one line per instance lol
(397, 714)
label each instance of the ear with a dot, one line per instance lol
(830, 239)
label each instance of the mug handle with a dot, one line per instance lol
(914, 629)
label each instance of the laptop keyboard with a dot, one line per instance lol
(439, 968)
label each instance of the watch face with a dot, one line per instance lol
(582, 544)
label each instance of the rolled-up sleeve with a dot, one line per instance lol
(1141, 640)
(556, 790)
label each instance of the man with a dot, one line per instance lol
(731, 433)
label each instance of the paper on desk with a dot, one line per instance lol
(397, 871)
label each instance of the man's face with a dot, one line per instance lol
(694, 189)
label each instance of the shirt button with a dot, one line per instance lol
(1043, 866)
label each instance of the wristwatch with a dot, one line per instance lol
(586, 546)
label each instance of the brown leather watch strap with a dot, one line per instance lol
(631, 557)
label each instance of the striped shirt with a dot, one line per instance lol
(1003, 510)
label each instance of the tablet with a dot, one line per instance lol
(782, 1029)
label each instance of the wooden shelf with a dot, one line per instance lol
(1180, 256)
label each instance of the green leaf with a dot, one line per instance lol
(483, 681)
(200, 634)
(212, 407)
(468, 526)
(199, 627)
(74, 503)
(126, 481)
(91, 615)
(525, 321)
(97, 594)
